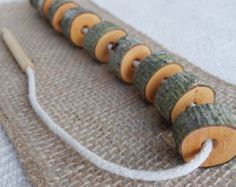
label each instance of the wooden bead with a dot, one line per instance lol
(200, 123)
(75, 20)
(122, 56)
(57, 10)
(155, 68)
(180, 91)
(99, 37)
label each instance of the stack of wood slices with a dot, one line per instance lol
(187, 103)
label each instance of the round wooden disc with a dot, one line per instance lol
(68, 18)
(122, 56)
(180, 91)
(150, 73)
(154, 83)
(101, 50)
(56, 12)
(138, 52)
(85, 20)
(198, 95)
(75, 20)
(98, 38)
(46, 5)
(200, 123)
(224, 144)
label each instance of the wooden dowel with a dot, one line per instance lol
(22, 59)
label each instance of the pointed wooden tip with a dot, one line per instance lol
(22, 59)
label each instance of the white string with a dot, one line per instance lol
(136, 64)
(85, 30)
(179, 171)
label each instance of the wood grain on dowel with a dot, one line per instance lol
(22, 59)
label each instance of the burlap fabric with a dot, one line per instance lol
(85, 98)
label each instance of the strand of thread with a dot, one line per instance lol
(135, 63)
(172, 173)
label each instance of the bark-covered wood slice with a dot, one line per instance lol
(180, 91)
(46, 4)
(35, 3)
(57, 10)
(155, 68)
(98, 38)
(200, 123)
(74, 20)
(122, 56)
(38, 4)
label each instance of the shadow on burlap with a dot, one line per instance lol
(85, 98)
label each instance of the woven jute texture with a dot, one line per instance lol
(90, 103)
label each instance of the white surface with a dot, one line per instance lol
(11, 173)
(203, 31)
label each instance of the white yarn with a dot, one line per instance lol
(136, 63)
(85, 30)
(172, 173)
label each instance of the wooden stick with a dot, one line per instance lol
(22, 59)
